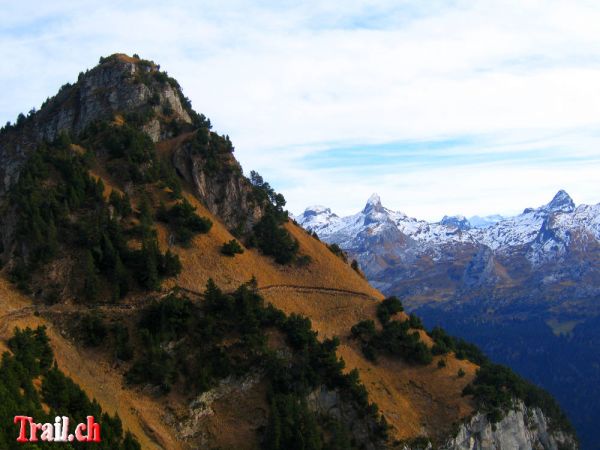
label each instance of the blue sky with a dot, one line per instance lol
(442, 107)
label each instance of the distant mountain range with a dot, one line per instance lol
(547, 246)
(526, 288)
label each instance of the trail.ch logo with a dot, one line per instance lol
(57, 431)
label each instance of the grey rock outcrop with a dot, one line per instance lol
(521, 429)
(329, 402)
(480, 270)
(119, 84)
(190, 426)
(226, 193)
(459, 222)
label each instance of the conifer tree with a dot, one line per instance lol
(90, 280)
(171, 266)
(51, 240)
(150, 255)
(120, 279)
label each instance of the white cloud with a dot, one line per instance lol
(286, 79)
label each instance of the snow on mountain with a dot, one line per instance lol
(562, 202)
(512, 231)
(546, 229)
(459, 221)
(315, 217)
(485, 221)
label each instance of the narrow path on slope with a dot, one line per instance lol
(297, 288)
(319, 289)
(84, 373)
(9, 318)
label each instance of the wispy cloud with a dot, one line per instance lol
(441, 106)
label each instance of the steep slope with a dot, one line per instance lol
(100, 380)
(525, 288)
(117, 202)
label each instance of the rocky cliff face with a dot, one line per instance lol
(121, 87)
(226, 193)
(521, 429)
(118, 85)
(327, 402)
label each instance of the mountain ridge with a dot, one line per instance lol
(500, 235)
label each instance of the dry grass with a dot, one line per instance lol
(415, 400)
(126, 58)
(140, 414)
(203, 260)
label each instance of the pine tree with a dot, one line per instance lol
(99, 189)
(120, 279)
(126, 205)
(171, 266)
(213, 294)
(340, 439)
(273, 432)
(109, 254)
(129, 442)
(51, 240)
(150, 255)
(90, 280)
(146, 214)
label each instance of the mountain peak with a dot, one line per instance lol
(316, 210)
(373, 204)
(374, 211)
(374, 200)
(118, 84)
(457, 221)
(561, 202)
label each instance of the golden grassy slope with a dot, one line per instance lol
(416, 400)
(139, 414)
(203, 260)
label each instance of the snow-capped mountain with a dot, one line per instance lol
(554, 243)
(375, 218)
(545, 229)
(485, 221)
(525, 288)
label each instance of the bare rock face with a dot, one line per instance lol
(521, 429)
(190, 426)
(480, 270)
(226, 193)
(329, 403)
(118, 85)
